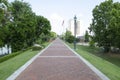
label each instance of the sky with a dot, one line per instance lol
(57, 11)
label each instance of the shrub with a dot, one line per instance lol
(70, 39)
(9, 56)
(6, 57)
(92, 43)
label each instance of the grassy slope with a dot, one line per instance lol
(11, 65)
(113, 58)
(109, 69)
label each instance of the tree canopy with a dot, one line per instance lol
(22, 27)
(105, 25)
(86, 36)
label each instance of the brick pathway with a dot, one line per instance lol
(57, 62)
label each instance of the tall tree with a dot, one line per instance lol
(86, 36)
(114, 26)
(103, 24)
(27, 26)
(69, 37)
(4, 21)
(20, 27)
(43, 25)
(24, 25)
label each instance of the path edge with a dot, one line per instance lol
(22, 68)
(92, 67)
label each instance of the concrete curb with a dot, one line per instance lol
(93, 68)
(21, 69)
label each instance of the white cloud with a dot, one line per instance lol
(80, 16)
(83, 27)
(56, 16)
(56, 22)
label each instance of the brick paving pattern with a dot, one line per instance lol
(57, 62)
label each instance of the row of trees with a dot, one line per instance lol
(20, 27)
(105, 27)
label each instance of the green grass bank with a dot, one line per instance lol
(107, 64)
(9, 66)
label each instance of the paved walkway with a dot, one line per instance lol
(58, 62)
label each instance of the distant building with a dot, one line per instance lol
(71, 27)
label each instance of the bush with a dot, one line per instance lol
(9, 56)
(92, 43)
(6, 57)
(70, 39)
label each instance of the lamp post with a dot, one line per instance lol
(75, 27)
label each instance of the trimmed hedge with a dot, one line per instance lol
(6, 57)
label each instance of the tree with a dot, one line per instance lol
(28, 27)
(42, 26)
(5, 2)
(114, 26)
(53, 35)
(86, 36)
(69, 37)
(4, 21)
(23, 29)
(20, 27)
(105, 23)
(5, 12)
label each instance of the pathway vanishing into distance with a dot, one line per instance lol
(57, 62)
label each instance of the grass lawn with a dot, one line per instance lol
(9, 66)
(113, 58)
(106, 64)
